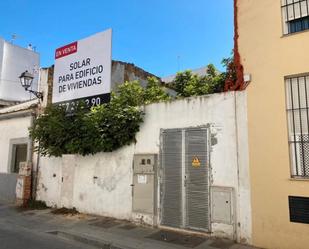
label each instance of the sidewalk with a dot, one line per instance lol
(101, 232)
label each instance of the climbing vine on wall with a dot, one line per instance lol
(104, 128)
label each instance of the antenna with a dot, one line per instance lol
(178, 63)
(13, 38)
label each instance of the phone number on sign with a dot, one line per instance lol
(90, 102)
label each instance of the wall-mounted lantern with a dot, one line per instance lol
(26, 79)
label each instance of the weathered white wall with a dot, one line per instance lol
(122, 72)
(102, 182)
(244, 193)
(11, 129)
(49, 185)
(14, 61)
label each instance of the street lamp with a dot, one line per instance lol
(26, 79)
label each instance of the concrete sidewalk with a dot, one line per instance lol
(101, 232)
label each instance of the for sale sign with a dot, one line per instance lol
(83, 71)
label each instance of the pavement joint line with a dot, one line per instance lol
(102, 244)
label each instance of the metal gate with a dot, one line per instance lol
(184, 179)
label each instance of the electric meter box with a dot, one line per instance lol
(144, 183)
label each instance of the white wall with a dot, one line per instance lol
(102, 182)
(244, 192)
(11, 129)
(49, 184)
(15, 60)
(1, 55)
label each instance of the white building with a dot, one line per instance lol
(13, 61)
(199, 71)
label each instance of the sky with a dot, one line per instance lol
(160, 36)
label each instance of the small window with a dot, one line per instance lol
(295, 15)
(298, 207)
(297, 103)
(19, 155)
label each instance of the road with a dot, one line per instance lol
(19, 232)
(41, 229)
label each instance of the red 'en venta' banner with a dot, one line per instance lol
(66, 50)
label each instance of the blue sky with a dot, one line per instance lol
(161, 36)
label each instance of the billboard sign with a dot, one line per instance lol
(83, 71)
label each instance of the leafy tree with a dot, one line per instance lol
(230, 75)
(181, 81)
(58, 133)
(187, 84)
(104, 128)
(115, 124)
(129, 93)
(154, 91)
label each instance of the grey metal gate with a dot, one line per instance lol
(196, 179)
(185, 185)
(172, 178)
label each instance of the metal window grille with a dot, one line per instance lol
(297, 99)
(295, 15)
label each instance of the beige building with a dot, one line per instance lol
(273, 45)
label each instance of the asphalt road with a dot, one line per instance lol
(40, 229)
(14, 238)
(16, 232)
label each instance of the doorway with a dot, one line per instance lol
(185, 178)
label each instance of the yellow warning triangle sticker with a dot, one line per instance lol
(196, 162)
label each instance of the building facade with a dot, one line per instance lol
(187, 170)
(15, 60)
(273, 39)
(16, 117)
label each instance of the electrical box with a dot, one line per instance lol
(222, 205)
(25, 168)
(144, 182)
(247, 77)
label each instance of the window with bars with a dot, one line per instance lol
(297, 99)
(295, 15)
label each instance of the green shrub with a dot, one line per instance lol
(104, 128)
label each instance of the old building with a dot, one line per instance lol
(187, 170)
(123, 71)
(17, 116)
(13, 61)
(272, 38)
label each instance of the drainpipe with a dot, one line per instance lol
(31, 152)
(37, 172)
(34, 174)
(35, 115)
(237, 224)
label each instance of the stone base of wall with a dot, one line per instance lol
(8, 187)
(25, 190)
